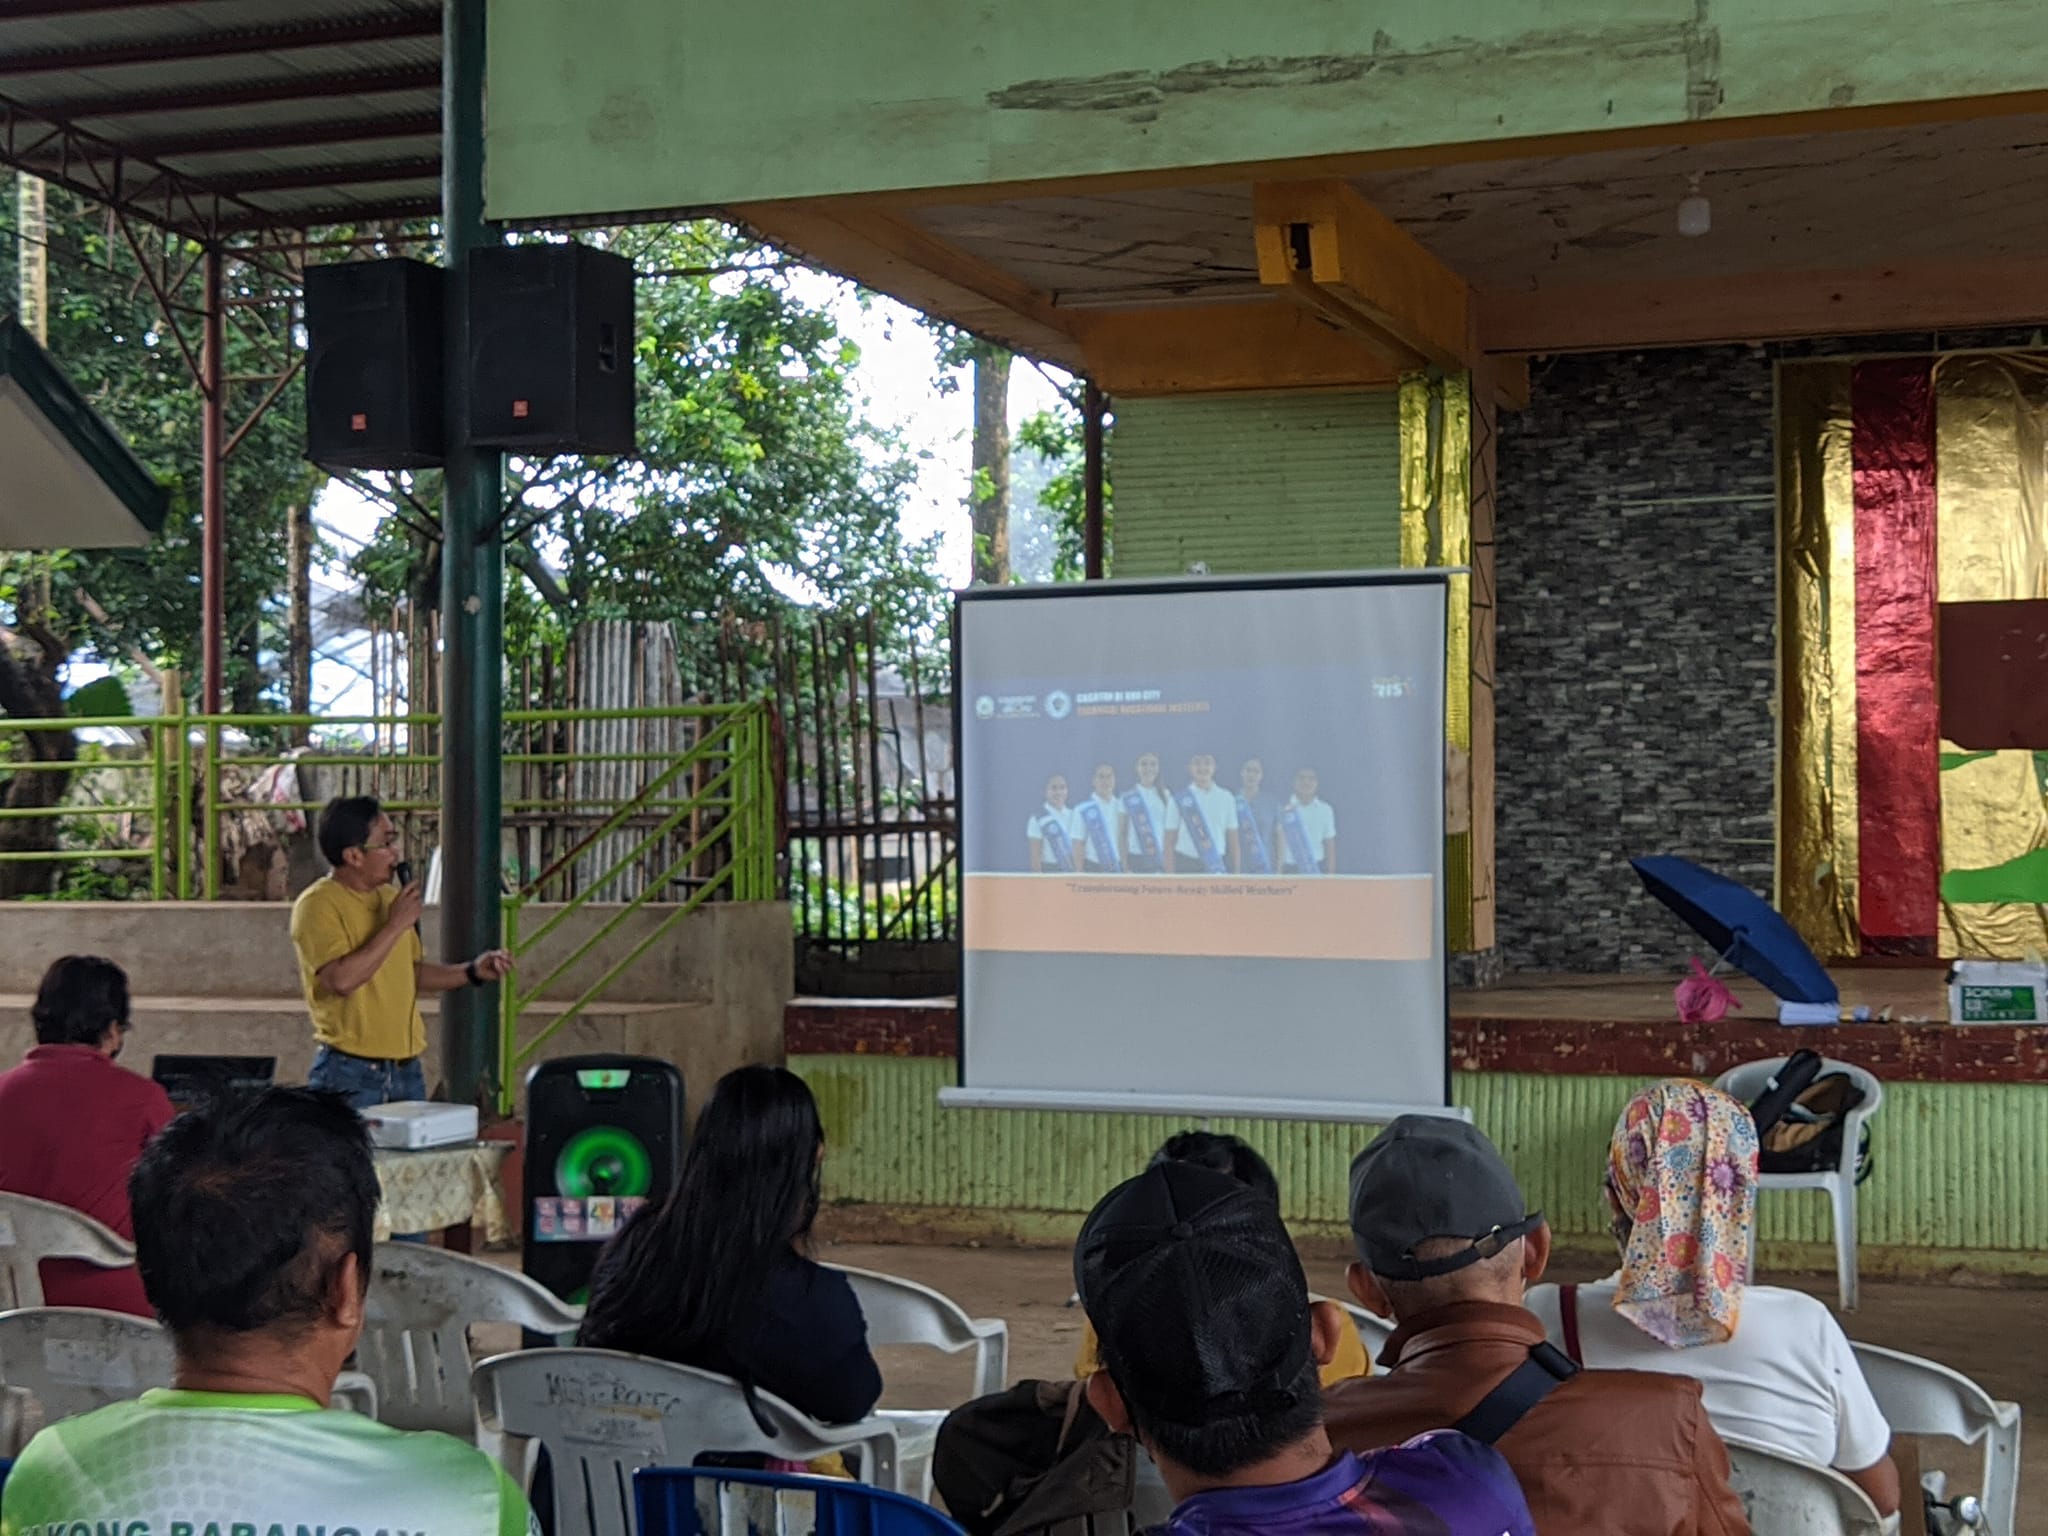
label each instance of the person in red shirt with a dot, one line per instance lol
(73, 1123)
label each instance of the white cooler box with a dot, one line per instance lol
(413, 1126)
(1998, 992)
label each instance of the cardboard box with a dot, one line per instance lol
(1998, 992)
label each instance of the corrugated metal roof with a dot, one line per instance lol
(214, 116)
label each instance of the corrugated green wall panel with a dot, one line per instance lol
(1292, 481)
(1962, 1169)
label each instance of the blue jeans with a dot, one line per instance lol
(363, 1082)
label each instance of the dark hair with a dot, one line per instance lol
(243, 1208)
(1220, 1153)
(684, 1278)
(1226, 1445)
(79, 997)
(345, 823)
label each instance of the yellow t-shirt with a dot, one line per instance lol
(381, 1018)
(1349, 1361)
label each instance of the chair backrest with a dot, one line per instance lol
(900, 1311)
(415, 1347)
(1925, 1397)
(684, 1501)
(1747, 1082)
(72, 1360)
(1788, 1497)
(604, 1415)
(33, 1230)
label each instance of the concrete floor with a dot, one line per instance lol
(1989, 1334)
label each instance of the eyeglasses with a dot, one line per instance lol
(393, 841)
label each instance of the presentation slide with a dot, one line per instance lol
(1202, 841)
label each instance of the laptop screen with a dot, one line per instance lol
(190, 1080)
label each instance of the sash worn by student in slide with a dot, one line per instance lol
(1101, 846)
(1297, 843)
(1139, 805)
(1250, 845)
(1198, 829)
(1058, 845)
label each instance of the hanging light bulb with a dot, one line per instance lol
(1695, 213)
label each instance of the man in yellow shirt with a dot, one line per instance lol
(361, 966)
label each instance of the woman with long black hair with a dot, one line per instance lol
(719, 1275)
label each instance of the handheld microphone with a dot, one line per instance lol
(404, 874)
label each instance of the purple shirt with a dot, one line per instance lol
(1439, 1484)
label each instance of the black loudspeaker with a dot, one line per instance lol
(551, 349)
(604, 1136)
(374, 364)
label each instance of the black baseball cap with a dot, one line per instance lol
(1197, 1296)
(1426, 1176)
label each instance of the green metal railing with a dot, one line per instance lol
(703, 824)
(732, 807)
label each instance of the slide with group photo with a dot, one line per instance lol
(1190, 810)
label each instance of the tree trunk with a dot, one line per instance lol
(298, 634)
(990, 495)
(29, 690)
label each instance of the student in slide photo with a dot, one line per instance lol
(1308, 831)
(1211, 845)
(1100, 819)
(1258, 818)
(1054, 830)
(1150, 820)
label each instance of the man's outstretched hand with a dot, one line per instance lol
(493, 964)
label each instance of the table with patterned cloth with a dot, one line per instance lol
(443, 1187)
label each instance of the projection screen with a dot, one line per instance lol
(1201, 833)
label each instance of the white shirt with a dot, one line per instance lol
(1165, 817)
(1318, 824)
(1065, 817)
(1219, 810)
(1788, 1378)
(1112, 809)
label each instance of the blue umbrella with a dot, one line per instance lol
(1745, 930)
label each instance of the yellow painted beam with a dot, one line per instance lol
(888, 253)
(1333, 252)
(1208, 348)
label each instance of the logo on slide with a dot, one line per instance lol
(985, 708)
(1057, 705)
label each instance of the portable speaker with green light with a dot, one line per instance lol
(604, 1134)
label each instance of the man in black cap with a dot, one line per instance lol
(1210, 1349)
(1446, 1247)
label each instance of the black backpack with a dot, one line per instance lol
(1035, 1459)
(1802, 1116)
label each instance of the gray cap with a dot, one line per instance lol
(1426, 1177)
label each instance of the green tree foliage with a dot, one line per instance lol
(1056, 435)
(759, 488)
(107, 334)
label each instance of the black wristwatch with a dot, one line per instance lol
(470, 970)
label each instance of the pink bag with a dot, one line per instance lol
(1703, 998)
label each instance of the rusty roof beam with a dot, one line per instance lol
(374, 82)
(306, 135)
(333, 213)
(164, 50)
(414, 168)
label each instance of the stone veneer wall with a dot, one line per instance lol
(1636, 652)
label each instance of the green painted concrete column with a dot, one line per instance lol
(472, 593)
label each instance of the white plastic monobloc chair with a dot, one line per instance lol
(1924, 1397)
(33, 1230)
(602, 1415)
(1747, 1083)
(71, 1360)
(1788, 1497)
(415, 1346)
(900, 1311)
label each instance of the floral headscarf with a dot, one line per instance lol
(1681, 1172)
